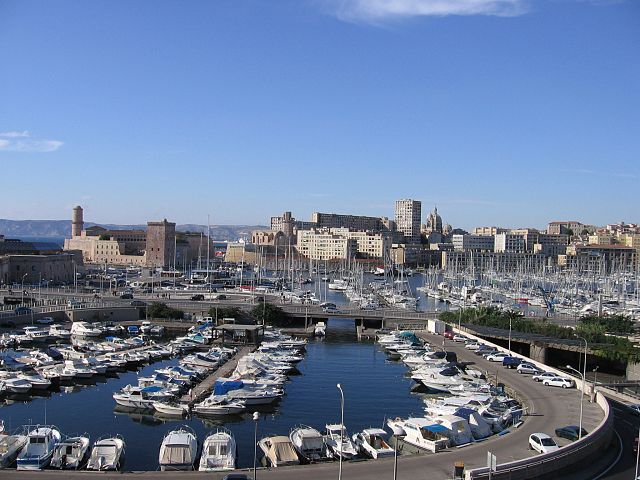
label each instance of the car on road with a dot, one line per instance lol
(473, 346)
(448, 334)
(484, 350)
(544, 375)
(219, 297)
(511, 362)
(330, 309)
(45, 321)
(198, 297)
(459, 338)
(635, 408)
(542, 443)
(138, 303)
(22, 310)
(126, 296)
(570, 432)
(528, 368)
(558, 382)
(497, 357)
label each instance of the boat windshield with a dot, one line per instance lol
(36, 440)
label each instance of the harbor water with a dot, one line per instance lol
(374, 388)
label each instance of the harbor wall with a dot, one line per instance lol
(112, 314)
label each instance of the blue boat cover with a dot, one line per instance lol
(435, 428)
(464, 413)
(152, 388)
(222, 387)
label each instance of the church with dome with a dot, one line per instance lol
(434, 229)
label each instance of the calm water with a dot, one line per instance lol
(374, 388)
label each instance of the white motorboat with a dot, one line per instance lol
(174, 409)
(80, 368)
(423, 433)
(143, 398)
(278, 451)
(70, 453)
(37, 453)
(84, 329)
(35, 334)
(308, 442)
(107, 454)
(57, 331)
(15, 385)
(258, 396)
(179, 450)
(37, 381)
(219, 405)
(218, 452)
(371, 443)
(320, 329)
(10, 446)
(339, 443)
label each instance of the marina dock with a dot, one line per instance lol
(204, 387)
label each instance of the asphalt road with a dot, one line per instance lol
(550, 407)
(626, 425)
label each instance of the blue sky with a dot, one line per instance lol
(501, 112)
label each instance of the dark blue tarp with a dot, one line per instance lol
(464, 413)
(222, 387)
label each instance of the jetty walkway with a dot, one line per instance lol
(204, 387)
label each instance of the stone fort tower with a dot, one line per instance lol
(77, 222)
(161, 237)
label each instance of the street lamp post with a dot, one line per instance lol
(22, 288)
(341, 431)
(398, 432)
(510, 335)
(581, 399)
(584, 366)
(595, 377)
(256, 417)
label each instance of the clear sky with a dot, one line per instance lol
(501, 112)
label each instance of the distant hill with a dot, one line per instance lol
(62, 228)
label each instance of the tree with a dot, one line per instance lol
(162, 310)
(270, 314)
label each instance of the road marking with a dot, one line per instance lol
(615, 462)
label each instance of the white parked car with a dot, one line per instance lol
(473, 346)
(497, 357)
(544, 375)
(459, 338)
(558, 382)
(542, 443)
(45, 321)
(528, 368)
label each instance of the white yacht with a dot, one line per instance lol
(339, 443)
(179, 450)
(218, 452)
(84, 329)
(371, 443)
(107, 454)
(37, 453)
(259, 396)
(80, 369)
(308, 442)
(278, 451)
(70, 453)
(35, 334)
